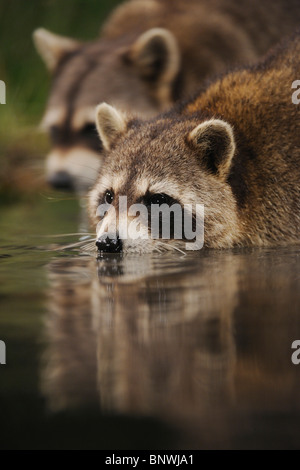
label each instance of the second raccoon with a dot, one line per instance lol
(150, 54)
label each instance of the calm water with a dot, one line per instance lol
(143, 352)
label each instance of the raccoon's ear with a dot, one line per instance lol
(214, 141)
(52, 47)
(157, 57)
(110, 123)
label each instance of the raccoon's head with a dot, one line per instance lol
(171, 160)
(134, 73)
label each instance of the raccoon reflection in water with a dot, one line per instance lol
(198, 342)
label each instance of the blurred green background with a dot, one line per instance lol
(22, 148)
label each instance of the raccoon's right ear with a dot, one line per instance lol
(157, 58)
(110, 123)
(52, 47)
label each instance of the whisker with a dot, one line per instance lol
(158, 250)
(58, 198)
(72, 245)
(67, 235)
(171, 247)
(89, 247)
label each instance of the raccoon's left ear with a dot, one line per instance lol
(156, 56)
(110, 123)
(215, 143)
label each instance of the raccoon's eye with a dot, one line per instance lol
(160, 199)
(89, 130)
(90, 136)
(109, 197)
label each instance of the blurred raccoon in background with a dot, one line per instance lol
(150, 54)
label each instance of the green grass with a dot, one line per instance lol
(27, 81)
(25, 76)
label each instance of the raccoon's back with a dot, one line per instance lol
(257, 101)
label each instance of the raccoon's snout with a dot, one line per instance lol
(109, 245)
(61, 180)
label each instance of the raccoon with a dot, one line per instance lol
(235, 148)
(150, 54)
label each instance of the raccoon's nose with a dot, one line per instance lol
(109, 245)
(61, 180)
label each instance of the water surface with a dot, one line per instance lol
(152, 352)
